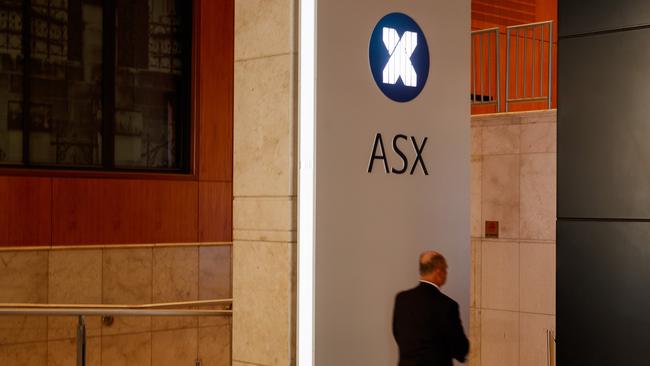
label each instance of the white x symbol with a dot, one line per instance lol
(400, 50)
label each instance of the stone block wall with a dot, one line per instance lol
(513, 181)
(138, 274)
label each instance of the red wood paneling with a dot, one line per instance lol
(25, 211)
(110, 211)
(215, 211)
(490, 13)
(215, 78)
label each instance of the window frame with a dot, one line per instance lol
(186, 127)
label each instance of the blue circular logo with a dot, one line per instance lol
(399, 57)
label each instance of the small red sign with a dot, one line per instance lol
(491, 229)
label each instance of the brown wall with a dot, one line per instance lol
(41, 207)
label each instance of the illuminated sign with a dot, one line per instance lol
(399, 57)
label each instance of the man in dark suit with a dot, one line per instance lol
(426, 322)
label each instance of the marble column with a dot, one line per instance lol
(264, 208)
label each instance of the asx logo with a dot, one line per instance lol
(399, 64)
(399, 57)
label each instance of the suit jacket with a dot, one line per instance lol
(427, 328)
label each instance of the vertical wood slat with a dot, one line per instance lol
(215, 88)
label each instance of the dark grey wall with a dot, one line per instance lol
(604, 134)
(603, 232)
(603, 310)
(588, 16)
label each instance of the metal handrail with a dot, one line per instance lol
(551, 344)
(119, 306)
(81, 311)
(111, 312)
(530, 64)
(537, 49)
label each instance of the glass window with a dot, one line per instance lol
(106, 84)
(11, 76)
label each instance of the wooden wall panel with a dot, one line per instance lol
(25, 211)
(215, 211)
(504, 12)
(512, 12)
(215, 78)
(108, 211)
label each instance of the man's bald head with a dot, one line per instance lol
(430, 261)
(433, 267)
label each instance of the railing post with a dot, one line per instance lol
(533, 44)
(480, 64)
(517, 63)
(507, 67)
(497, 55)
(548, 347)
(555, 349)
(473, 70)
(523, 63)
(81, 342)
(489, 63)
(550, 65)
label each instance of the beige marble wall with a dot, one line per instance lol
(264, 182)
(110, 275)
(513, 173)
